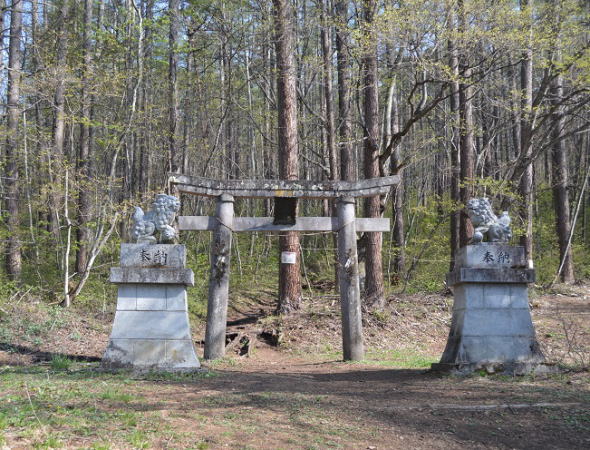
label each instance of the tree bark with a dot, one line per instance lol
(560, 185)
(454, 99)
(59, 121)
(467, 144)
(289, 275)
(374, 290)
(327, 86)
(344, 113)
(173, 10)
(397, 191)
(13, 256)
(84, 152)
(526, 148)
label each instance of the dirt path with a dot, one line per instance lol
(276, 401)
(303, 396)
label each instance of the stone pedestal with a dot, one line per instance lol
(151, 328)
(491, 327)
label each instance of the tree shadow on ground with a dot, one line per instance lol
(468, 411)
(425, 409)
(37, 356)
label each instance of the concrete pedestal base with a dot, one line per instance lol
(151, 328)
(491, 327)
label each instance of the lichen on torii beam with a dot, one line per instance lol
(282, 188)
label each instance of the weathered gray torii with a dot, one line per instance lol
(284, 192)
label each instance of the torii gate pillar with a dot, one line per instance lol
(219, 278)
(348, 276)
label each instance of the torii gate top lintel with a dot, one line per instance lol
(282, 188)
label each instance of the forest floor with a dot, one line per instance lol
(283, 384)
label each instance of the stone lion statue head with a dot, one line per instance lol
(480, 212)
(165, 208)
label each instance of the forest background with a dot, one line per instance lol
(102, 99)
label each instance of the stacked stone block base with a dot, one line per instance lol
(491, 328)
(151, 328)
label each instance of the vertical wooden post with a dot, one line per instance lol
(350, 296)
(219, 278)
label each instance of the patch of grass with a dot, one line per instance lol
(61, 362)
(179, 376)
(382, 317)
(138, 439)
(116, 395)
(406, 358)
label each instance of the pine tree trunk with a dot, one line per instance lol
(374, 290)
(13, 255)
(289, 276)
(560, 185)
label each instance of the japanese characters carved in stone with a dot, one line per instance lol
(486, 223)
(159, 218)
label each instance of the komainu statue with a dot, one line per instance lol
(159, 218)
(485, 222)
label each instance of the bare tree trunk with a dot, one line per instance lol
(397, 191)
(526, 148)
(327, 82)
(13, 256)
(344, 113)
(374, 290)
(467, 140)
(455, 148)
(84, 152)
(145, 166)
(332, 155)
(560, 185)
(173, 10)
(289, 276)
(59, 122)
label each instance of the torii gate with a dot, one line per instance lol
(286, 194)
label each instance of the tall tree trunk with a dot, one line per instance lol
(397, 191)
(374, 290)
(59, 120)
(13, 255)
(289, 276)
(145, 156)
(173, 7)
(560, 184)
(344, 113)
(467, 143)
(327, 87)
(84, 152)
(526, 147)
(454, 99)
(332, 155)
